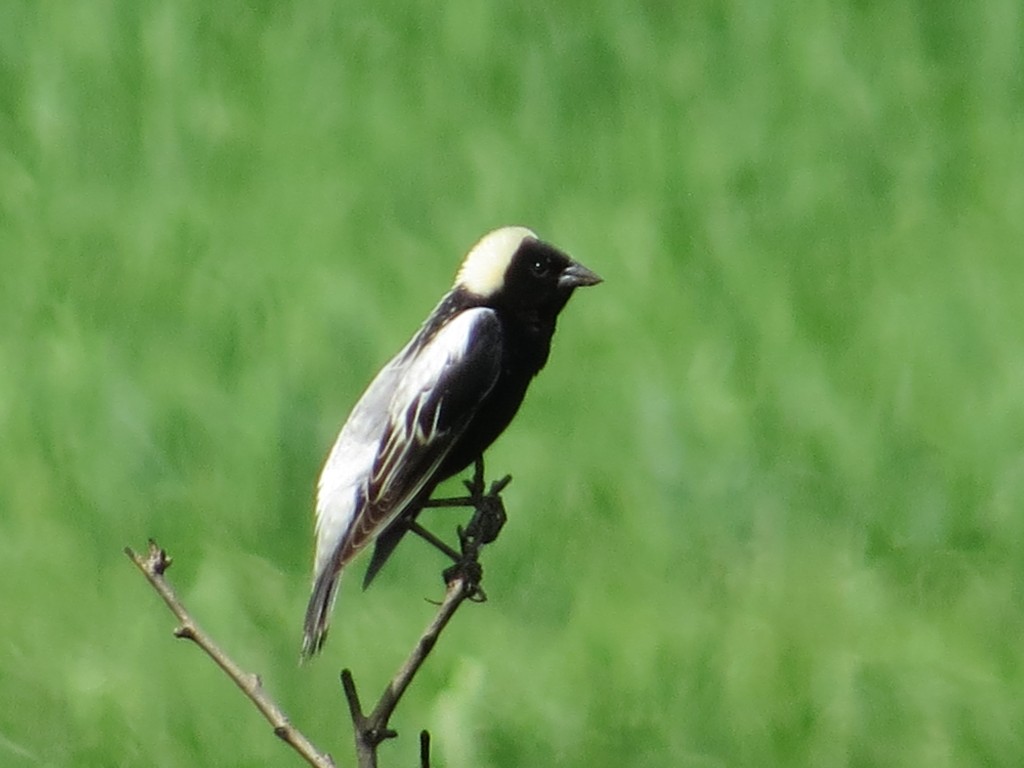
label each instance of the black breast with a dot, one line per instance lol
(525, 350)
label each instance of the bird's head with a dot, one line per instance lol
(511, 267)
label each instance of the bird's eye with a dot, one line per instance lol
(540, 267)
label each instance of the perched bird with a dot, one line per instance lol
(438, 404)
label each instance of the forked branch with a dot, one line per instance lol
(462, 580)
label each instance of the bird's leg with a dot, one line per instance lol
(489, 517)
(484, 526)
(475, 486)
(430, 538)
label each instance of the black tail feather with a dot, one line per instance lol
(318, 613)
(385, 544)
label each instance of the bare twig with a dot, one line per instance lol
(153, 565)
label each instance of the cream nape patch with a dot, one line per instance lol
(483, 271)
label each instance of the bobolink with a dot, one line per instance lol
(438, 404)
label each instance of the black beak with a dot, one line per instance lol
(577, 276)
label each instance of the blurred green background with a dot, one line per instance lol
(768, 493)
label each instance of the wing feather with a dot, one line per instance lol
(396, 437)
(435, 399)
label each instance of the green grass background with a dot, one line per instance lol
(768, 494)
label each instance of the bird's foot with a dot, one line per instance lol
(488, 519)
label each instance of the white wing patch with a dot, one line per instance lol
(408, 431)
(483, 271)
(400, 440)
(395, 409)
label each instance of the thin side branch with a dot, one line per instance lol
(153, 565)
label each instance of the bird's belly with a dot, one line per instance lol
(490, 421)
